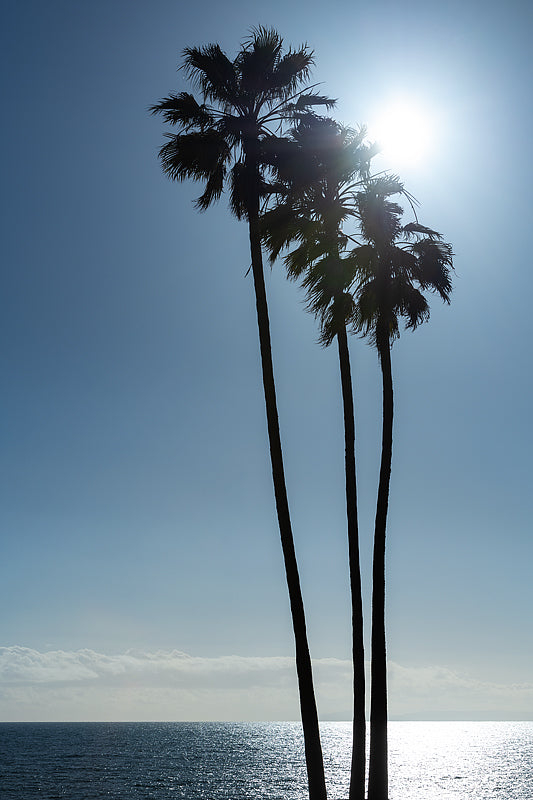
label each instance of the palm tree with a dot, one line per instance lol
(396, 264)
(319, 172)
(224, 140)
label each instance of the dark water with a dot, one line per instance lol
(247, 761)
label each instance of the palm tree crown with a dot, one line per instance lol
(245, 100)
(320, 174)
(396, 264)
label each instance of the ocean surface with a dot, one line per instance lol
(249, 761)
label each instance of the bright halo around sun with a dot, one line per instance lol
(404, 133)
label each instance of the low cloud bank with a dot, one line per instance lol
(172, 685)
(21, 665)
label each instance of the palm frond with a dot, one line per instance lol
(292, 70)
(409, 302)
(367, 311)
(413, 229)
(308, 100)
(326, 278)
(256, 63)
(193, 155)
(434, 265)
(279, 155)
(334, 317)
(230, 126)
(213, 187)
(212, 72)
(239, 190)
(263, 38)
(400, 262)
(304, 256)
(279, 228)
(379, 218)
(362, 262)
(385, 185)
(182, 109)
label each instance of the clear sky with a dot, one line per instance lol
(141, 574)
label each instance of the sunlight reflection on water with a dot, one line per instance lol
(443, 760)
(434, 760)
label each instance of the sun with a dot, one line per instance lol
(403, 131)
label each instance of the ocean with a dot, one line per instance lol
(256, 761)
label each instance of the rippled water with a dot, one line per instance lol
(248, 761)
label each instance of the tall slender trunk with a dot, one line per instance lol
(357, 776)
(308, 709)
(378, 770)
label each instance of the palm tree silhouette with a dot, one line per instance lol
(396, 264)
(229, 138)
(319, 172)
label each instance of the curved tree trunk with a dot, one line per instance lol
(313, 749)
(378, 769)
(357, 776)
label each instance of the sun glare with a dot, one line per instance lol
(403, 131)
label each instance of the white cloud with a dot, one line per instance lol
(171, 685)
(444, 693)
(22, 665)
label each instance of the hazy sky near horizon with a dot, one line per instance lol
(141, 574)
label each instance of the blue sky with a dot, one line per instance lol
(140, 564)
